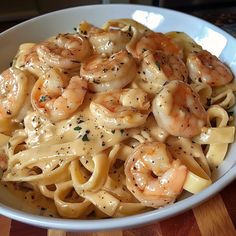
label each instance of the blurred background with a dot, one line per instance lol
(219, 12)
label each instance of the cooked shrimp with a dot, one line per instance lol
(13, 91)
(105, 73)
(119, 109)
(64, 51)
(158, 68)
(27, 59)
(207, 68)
(107, 41)
(153, 177)
(157, 41)
(178, 110)
(56, 96)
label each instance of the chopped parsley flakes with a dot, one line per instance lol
(77, 128)
(43, 98)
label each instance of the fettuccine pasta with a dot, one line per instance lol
(113, 121)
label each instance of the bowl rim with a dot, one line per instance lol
(127, 5)
(128, 221)
(122, 222)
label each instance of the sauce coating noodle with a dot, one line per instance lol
(112, 121)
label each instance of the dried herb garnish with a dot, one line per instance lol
(77, 128)
(43, 98)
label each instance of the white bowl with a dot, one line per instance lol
(209, 36)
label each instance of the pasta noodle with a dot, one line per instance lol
(112, 121)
